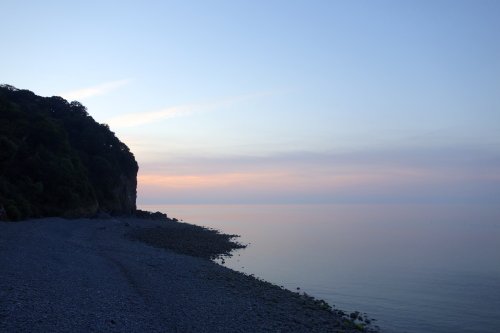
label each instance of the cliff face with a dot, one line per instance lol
(126, 194)
(55, 160)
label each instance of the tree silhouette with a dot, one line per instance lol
(55, 160)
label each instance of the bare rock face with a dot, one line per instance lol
(130, 196)
(126, 194)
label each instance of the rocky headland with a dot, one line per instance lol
(56, 160)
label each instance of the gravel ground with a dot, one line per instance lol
(89, 275)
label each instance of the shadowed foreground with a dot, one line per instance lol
(88, 275)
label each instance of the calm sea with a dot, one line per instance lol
(415, 268)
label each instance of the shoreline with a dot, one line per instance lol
(145, 288)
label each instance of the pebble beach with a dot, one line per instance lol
(137, 275)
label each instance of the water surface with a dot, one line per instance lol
(416, 268)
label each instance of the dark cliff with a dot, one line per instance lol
(55, 160)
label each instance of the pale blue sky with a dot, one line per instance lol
(278, 101)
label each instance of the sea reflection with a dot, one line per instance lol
(417, 268)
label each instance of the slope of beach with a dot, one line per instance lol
(89, 275)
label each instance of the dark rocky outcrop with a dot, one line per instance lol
(55, 160)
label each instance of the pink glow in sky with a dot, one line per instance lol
(278, 101)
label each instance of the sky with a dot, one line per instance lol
(278, 101)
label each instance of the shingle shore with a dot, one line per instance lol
(87, 275)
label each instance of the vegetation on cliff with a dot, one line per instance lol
(56, 160)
